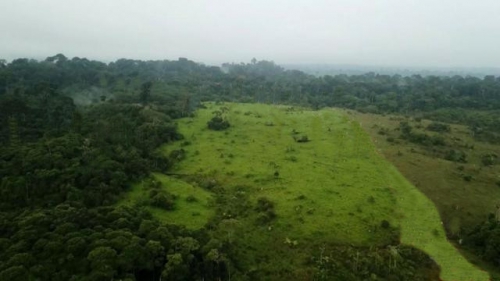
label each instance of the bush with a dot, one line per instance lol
(303, 138)
(385, 224)
(178, 154)
(266, 217)
(439, 127)
(217, 123)
(264, 204)
(162, 200)
(456, 156)
(489, 159)
(265, 207)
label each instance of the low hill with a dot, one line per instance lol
(290, 185)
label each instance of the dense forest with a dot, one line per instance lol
(75, 133)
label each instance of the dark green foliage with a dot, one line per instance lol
(424, 139)
(265, 209)
(484, 239)
(218, 123)
(489, 159)
(177, 155)
(116, 146)
(145, 92)
(419, 138)
(405, 128)
(468, 178)
(385, 224)
(232, 203)
(439, 127)
(383, 131)
(264, 204)
(76, 243)
(456, 156)
(158, 196)
(51, 152)
(303, 138)
(395, 262)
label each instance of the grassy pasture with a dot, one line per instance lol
(461, 203)
(191, 214)
(335, 188)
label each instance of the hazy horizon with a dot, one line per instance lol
(390, 33)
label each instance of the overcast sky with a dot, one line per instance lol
(422, 33)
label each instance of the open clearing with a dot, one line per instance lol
(334, 188)
(190, 214)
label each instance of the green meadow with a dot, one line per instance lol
(332, 188)
(192, 214)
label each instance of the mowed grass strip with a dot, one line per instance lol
(335, 187)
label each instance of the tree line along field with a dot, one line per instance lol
(315, 179)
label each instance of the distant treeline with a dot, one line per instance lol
(443, 98)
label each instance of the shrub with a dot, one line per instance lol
(217, 123)
(177, 154)
(265, 218)
(303, 138)
(489, 159)
(467, 178)
(162, 200)
(264, 204)
(438, 127)
(385, 224)
(456, 156)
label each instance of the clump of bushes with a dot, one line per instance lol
(419, 138)
(217, 123)
(159, 197)
(177, 154)
(383, 131)
(265, 207)
(303, 138)
(385, 224)
(489, 159)
(456, 156)
(438, 127)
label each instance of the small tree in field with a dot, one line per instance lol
(218, 123)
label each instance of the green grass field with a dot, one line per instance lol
(335, 188)
(193, 215)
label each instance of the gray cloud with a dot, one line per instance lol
(367, 32)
